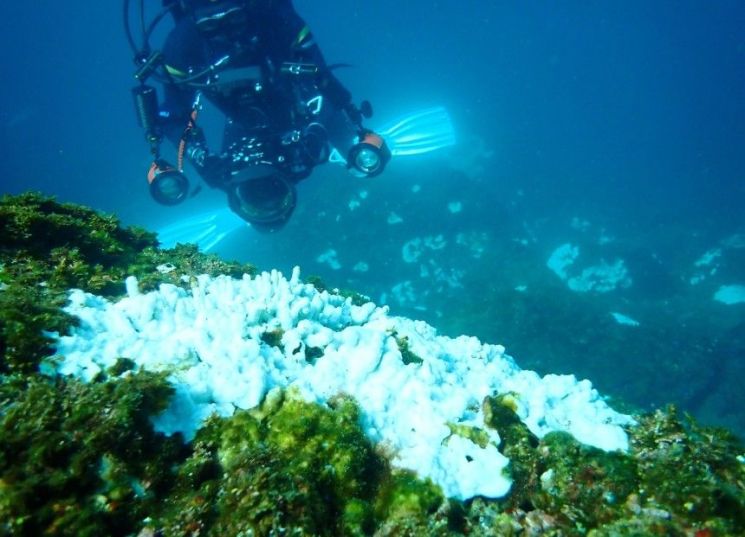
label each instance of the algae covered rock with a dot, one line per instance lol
(677, 479)
(81, 459)
(37, 225)
(295, 467)
(291, 467)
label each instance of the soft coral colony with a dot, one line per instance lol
(147, 390)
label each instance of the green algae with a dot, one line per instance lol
(518, 444)
(37, 225)
(676, 479)
(475, 434)
(407, 355)
(582, 485)
(273, 337)
(28, 311)
(410, 506)
(83, 459)
(180, 266)
(692, 471)
(355, 298)
(295, 467)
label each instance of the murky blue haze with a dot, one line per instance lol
(615, 127)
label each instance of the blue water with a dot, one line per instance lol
(616, 126)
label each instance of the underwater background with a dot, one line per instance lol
(618, 128)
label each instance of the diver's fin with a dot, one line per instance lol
(421, 132)
(414, 134)
(206, 230)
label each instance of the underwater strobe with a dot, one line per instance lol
(369, 156)
(168, 186)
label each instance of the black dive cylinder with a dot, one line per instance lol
(146, 108)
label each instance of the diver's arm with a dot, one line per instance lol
(175, 112)
(177, 121)
(345, 130)
(293, 41)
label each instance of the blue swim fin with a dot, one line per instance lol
(206, 230)
(420, 132)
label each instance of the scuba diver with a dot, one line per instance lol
(285, 111)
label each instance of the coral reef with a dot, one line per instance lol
(83, 459)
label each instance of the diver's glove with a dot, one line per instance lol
(358, 114)
(354, 114)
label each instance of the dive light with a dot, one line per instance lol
(168, 185)
(370, 155)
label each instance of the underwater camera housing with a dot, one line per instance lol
(266, 203)
(261, 185)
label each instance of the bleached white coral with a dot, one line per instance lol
(210, 340)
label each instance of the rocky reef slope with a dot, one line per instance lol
(83, 458)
